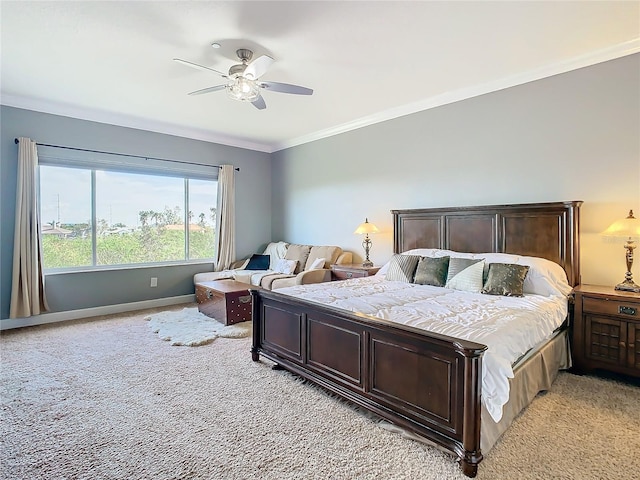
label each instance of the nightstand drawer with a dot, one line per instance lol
(610, 307)
(347, 274)
(345, 271)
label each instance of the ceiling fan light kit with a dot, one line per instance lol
(243, 89)
(244, 84)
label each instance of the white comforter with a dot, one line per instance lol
(508, 326)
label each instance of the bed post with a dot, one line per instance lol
(472, 455)
(255, 320)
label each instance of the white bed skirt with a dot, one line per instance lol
(535, 373)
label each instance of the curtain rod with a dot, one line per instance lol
(237, 169)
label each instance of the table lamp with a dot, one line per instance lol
(366, 228)
(628, 227)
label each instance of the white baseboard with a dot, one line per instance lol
(54, 317)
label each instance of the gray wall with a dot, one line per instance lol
(573, 136)
(90, 289)
(569, 137)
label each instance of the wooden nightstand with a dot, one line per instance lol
(606, 330)
(351, 270)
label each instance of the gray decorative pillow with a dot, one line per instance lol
(505, 279)
(402, 268)
(456, 265)
(469, 279)
(432, 271)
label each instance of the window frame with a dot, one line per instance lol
(101, 161)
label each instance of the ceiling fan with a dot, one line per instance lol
(244, 82)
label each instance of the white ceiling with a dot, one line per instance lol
(367, 61)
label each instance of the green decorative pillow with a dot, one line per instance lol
(505, 279)
(402, 268)
(432, 271)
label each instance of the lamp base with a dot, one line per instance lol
(628, 286)
(367, 264)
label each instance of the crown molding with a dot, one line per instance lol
(100, 116)
(592, 58)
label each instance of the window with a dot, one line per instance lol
(94, 217)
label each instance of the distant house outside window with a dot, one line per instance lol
(98, 218)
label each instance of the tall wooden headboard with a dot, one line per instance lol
(547, 230)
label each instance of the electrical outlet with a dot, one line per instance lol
(154, 281)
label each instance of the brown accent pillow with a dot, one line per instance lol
(505, 279)
(299, 253)
(432, 271)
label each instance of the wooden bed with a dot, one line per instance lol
(358, 356)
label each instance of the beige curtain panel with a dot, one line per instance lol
(225, 219)
(27, 287)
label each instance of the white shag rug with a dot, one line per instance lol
(189, 327)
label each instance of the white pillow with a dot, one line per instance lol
(318, 263)
(544, 277)
(469, 279)
(285, 266)
(276, 250)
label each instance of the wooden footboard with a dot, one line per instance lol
(422, 381)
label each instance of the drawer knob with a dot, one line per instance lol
(626, 310)
(349, 274)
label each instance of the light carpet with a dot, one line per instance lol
(189, 327)
(104, 399)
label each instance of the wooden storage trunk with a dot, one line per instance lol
(227, 301)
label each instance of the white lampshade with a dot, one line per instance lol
(625, 227)
(366, 227)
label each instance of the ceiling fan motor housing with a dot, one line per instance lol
(244, 54)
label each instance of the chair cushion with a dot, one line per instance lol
(299, 253)
(281, 282)
(329, 252)
(268, 280)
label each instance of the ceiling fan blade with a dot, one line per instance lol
(208, 90)
(258, 67)
(199, 67)
(259, 103)
(286, 88)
